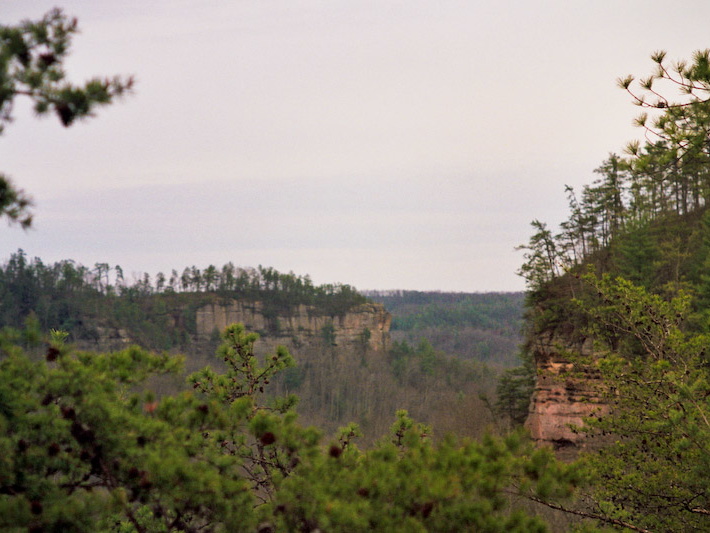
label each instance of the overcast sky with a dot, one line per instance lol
(383, 144)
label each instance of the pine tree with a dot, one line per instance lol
(32, 56)
(84, 450)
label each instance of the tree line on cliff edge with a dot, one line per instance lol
(265, 283)
(69, 296)
(628, 270)
(662, 179)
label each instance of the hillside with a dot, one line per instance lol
(348, 367)
(618, 316)
(484, 327)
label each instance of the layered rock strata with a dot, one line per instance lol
(365, 326)
(565, 394)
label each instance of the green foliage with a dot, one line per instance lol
(408, 483)
(327, 333)
(14, 203)
(364, 338)
(637, 254)
(514, 391)
(270, 442)
(32, 56)
(652, 472)
(482, 326)
(83, 451)
(415, 365)
(414, 310)
(543, 259)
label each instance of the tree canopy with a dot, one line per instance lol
(85, 450)
(665, 175)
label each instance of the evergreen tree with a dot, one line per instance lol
(83, 451)
(514, 391)
(542, 257)
(32, 56)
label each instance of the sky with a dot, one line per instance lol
(383, 144)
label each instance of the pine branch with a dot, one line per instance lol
(583, 514)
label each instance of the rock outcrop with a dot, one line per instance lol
(564, 394)
(365, 325)
(105, 339)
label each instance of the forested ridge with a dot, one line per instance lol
(159, 313)
(484, 327)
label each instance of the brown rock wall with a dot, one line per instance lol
(303, 324)
(564, 394)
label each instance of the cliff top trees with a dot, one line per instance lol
(32, 54)
(668, 174)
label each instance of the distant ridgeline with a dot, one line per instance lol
(161, 312)
(482, 326)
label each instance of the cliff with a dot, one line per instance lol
(365, 326)
(198, 324)
(662, 256)
(564, 394)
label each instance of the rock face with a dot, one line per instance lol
(106, 339)
(564, 395)
(366, 325)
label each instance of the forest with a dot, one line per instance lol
(88, 443)
(69, 296)
(335, 385)
(482, 326)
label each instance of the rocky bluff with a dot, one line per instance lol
(191, 325)
(363, 326)
(565, 394)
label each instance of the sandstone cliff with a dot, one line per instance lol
(564, 393)
(365, 326)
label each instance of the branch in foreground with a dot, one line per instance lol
(583, 514)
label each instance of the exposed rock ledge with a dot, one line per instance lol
(563, 395)
(303, 324)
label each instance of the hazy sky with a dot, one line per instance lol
(384, 144)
